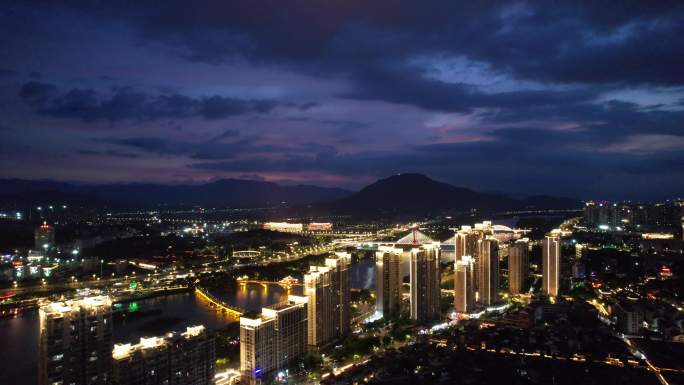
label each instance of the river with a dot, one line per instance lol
(154, 316)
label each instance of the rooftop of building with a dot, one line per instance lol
(122, 351)
(74, 305)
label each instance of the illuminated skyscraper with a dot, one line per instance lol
(388, 281)
(342, 265)
(258, 354)
(465, 243)
(424, 276)
(488, 271)
(75, 345)
(318, 286)
(329, 290)
(551, 265)
(478, 234)
(464, 293)
(518, 266)
(273, 339)
(187, 358)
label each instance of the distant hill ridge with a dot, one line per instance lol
(234, 193)
(401, 193)
(417, 193)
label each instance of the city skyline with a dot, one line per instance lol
(328, 313)
(548, 98)
(341, 192)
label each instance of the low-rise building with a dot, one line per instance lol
(284, 227)
(629, 318)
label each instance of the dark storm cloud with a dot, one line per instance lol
(109, 153)
(37, 93)
(599, 122)
(125, 103)
(590, 94)
(227, 134)
(407, 86)
(146, 144)
(374, 45)
(206, 150)
(561, 42)
(215, 149)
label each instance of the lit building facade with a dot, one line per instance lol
(551, 265)
(329, 290)
(581, 250)
(488, 271)
(186, 358)
(75, 345)
(518, 266)
(318, 286)
(273, 339)
(388, 281)
(318, 226)
(284, 227)
(424, 276)
(464, 293)
(342, 266)
(465, 243)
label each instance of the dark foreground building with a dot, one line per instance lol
(186, 358)
(75, 346)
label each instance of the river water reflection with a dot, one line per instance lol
(155, 316)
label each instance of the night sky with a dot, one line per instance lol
(549, 97)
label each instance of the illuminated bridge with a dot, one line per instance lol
(217, 303)
(287, 282)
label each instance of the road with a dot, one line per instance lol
(101, 282)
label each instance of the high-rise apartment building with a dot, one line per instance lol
(329, 290)
(186, 358)
(551, 264)
(342, 269)
(273, 339)
(464, 293)
(75, 345)
(424, 275)
(465, 243)
(473, 248)
(488, 271)
(258, 354)
(388, 281)
(318, 286)
(518, 266)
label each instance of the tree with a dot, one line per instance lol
(311, 360)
